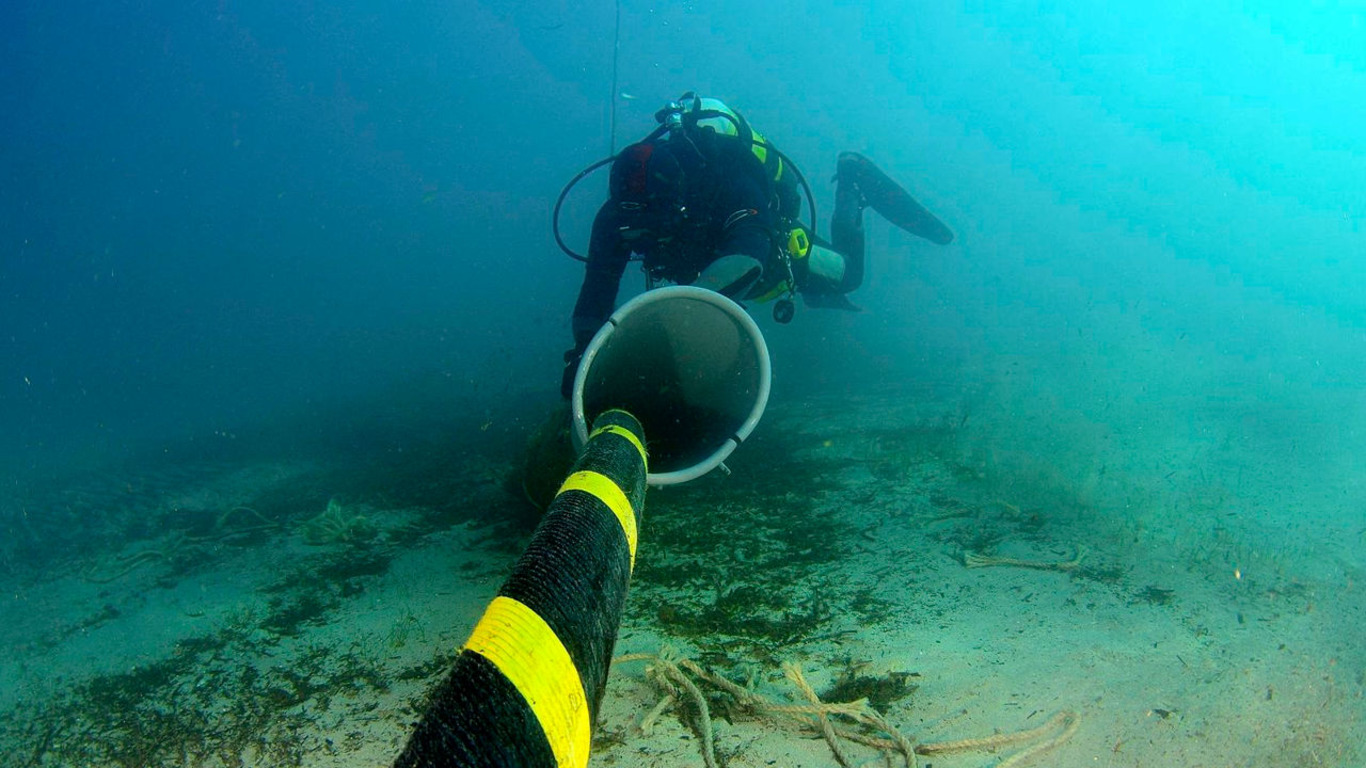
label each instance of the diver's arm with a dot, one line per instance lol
(607, 258)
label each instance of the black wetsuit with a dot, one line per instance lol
(681, 204)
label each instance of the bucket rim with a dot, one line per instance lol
(737, 313)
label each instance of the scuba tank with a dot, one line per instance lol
(810, 257)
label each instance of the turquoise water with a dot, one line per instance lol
(259, 262)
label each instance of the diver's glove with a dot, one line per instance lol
(571, 369)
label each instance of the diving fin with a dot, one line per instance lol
(816, 300)
(890, 201)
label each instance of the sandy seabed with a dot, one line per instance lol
(232, 616)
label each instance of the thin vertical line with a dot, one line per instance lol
(616, 57)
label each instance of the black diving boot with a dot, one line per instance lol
(890, 201)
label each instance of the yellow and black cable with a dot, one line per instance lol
(526, 686)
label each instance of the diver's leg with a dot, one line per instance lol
(885, 196)
(846, 224)
(833, 269)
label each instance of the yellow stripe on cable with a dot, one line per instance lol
(528, 653)
(629, 435)
(604, 489)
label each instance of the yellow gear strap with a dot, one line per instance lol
(798, 243)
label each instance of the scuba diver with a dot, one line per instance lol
(705, 200)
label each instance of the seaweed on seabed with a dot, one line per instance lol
(881, 691)
(289, 614)
(761, 616)
(1154, 595)
(201, 706)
